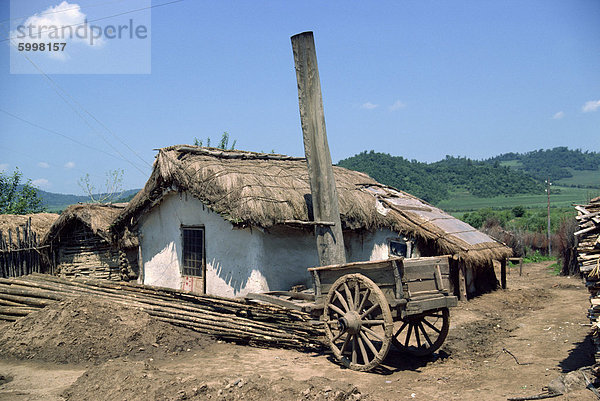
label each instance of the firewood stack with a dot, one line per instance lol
(229, 319)
(588, 256)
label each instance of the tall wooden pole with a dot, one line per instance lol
(548, 183)
(330, 241)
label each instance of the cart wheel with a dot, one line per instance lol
(358, 322)
(424, 333)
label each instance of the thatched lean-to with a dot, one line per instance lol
(80, 244)
(266, 190)
(20, 237)
(40, 224)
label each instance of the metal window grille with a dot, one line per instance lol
(398, 248)
(193, 251)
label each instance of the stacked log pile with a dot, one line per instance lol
(588, 257)
(228, 319)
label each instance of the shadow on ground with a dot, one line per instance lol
(580, 356)
(397, 361)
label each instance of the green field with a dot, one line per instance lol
(464, 201)
(512, 163)
(588, 178)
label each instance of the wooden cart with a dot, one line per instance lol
(367, 306)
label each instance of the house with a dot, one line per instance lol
(80, 243)
(228, 222)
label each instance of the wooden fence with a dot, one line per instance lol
(19, 252)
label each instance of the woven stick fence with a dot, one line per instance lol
(19, 252)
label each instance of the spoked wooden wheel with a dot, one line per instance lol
(358, 322)
(424, 333)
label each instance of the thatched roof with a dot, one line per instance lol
(40, 223)
(96, 217)
(258, 189)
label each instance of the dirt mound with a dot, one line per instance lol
(492, 320)
(128, 380)
(477, 340)
(87, 329)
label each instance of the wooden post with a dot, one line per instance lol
(462, 282)
(3, 271)
(520, 266)
(503, 273)
(330, 241)
(11, 263)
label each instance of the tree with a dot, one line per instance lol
(17, 198)
(113, 189)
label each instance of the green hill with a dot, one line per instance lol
(438, 181)
(54, 202)
(462, 201)
(562, 165)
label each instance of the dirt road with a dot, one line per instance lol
(505, 344)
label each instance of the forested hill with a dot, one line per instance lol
(557, 163)
(434, 182)
(54, 202)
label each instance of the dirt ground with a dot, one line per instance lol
(510, 343)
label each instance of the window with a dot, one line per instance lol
(193, 251)
(400, 247)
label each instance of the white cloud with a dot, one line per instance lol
(61, 23)
(3, 167)
(43, 165)
(397, 105)
(369, 106)
(558, 115)
(41, 182)
(592, 105)
(69, 164)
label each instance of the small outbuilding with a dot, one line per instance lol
(79, 243)
(228, 222)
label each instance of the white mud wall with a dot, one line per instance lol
(238, 261)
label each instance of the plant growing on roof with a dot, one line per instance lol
(223, 143)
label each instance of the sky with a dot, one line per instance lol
(418, 79)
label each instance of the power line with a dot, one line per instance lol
(56, 85)
(104, 126)
(57, 89)
(27, 155)
(62, 93)
(58, 133)
(98, 19)
(64, 10)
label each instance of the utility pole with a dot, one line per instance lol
(328, 227)
(548, 183)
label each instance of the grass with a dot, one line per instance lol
(512, 163)
(538, 257)
(555, 268)
(463, 201)
(588, 178)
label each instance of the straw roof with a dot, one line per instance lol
(258, 189)
(96, 217)
(40, 223)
